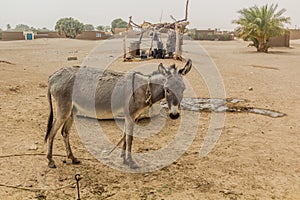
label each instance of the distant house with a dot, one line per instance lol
(93, 35)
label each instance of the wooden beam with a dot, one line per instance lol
(186, 10)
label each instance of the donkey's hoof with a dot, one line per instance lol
(52, 165)
(131, 164)
(75, 161)
(123, 155)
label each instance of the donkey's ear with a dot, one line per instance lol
(187, 68)
(162, 69)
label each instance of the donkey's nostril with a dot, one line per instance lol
(176, 116)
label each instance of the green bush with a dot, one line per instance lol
(118, 23)
(192, 35)
(89, 27)
(200, 36)
(211, 36)
(69, 27)
(225, 37)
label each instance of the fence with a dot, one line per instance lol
(85, 35)
(92, 35)
(280, 41)
(213, 35)
(295, 34)
(7, 35)
(48, 34)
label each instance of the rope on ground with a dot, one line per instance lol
(27, 154)
(40, 154)
(37, 189)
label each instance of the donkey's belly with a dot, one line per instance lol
(106, 113)
(109, 115)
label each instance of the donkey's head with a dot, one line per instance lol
(174, 86)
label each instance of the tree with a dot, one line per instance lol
(118, 23)
(69, 27)
(8, 27)
(22, 27)
(89, 27)
(100, 28)
(258, 24)
(103, 28)
(44, 29)
(0, 33)
(33, 29)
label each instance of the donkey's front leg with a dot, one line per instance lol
(123, 154)
(129, 138)
(129, 160)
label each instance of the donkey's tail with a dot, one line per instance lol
(50, 118)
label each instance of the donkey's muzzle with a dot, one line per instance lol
(174, 116)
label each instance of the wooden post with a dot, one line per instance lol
(178, 50)
(150, 50)
(124, 45)
(125, 37)
(141, 36)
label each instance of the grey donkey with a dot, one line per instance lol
(101, 94)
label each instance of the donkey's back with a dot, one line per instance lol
(88, 90)
(64, 79)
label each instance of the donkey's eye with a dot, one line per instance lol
(167, 91)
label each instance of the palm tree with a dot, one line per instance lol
(259, 24)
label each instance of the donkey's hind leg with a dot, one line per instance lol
(56, 126)
(64, 110)
(65, 133)
(123, 154)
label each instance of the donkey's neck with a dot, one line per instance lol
(157, 82)
(143, 83)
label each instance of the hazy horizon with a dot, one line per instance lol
(202, 15)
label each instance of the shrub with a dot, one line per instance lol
(69, 27)
(211, 36)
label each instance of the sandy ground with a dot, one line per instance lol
(256, 157)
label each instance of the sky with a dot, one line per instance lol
(202, 14)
